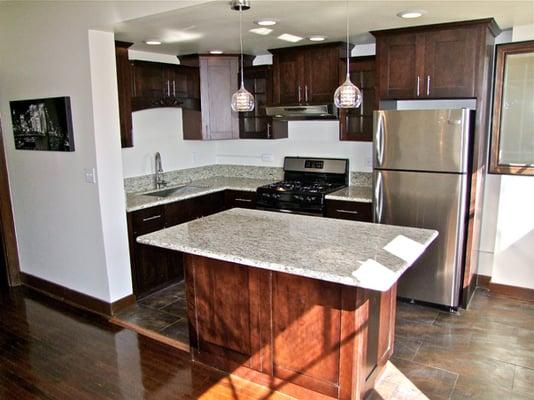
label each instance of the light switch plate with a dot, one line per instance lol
(267, 157)
(90, 175)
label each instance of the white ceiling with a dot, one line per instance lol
(213, 25)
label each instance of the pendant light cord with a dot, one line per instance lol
(347, 14)
(241, 40)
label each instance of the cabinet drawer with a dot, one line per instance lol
(242, 199)
(148, 220)
(349, 210)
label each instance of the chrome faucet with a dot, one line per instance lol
(159, 181)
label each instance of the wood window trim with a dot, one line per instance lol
(6, 221)
(502, 51)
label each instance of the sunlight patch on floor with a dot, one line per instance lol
(394, 385)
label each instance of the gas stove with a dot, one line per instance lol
(306, 183)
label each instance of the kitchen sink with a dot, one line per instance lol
(176, 191)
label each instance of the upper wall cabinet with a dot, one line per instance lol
(124, 83)
(164, 85)
(430, 62)
(357, 123)
(306, 74)
(256, 124)
(218, 81)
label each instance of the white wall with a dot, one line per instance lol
(108, 163)
(59, 219)
(306, 138)
(161, 130)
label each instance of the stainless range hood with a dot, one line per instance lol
(323, 111)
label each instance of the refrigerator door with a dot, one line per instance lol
(427, 200)
(422, 140)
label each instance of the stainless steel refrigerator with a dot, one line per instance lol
(421, 177)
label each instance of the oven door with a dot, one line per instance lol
(288, 211)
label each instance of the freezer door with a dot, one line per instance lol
(422, 140)
(427, 200)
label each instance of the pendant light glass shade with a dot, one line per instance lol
(347, 95)
(242, 100)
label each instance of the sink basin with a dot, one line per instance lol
(175, 191)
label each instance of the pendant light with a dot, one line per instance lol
(347, 95)
(242, 100)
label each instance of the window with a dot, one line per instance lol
(512, 139)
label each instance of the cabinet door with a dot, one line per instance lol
(209, 204)
(180, 212)
(321, 75)
(450, 63)
(149, 80)
(357, 123)
(287, 77)
(218, 82)
(156, 268)
(397, 66)
(124, 83)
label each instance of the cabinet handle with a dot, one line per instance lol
(151, 218)
(418, 83)
(243, 200)
(168, 88)
(428, 85)
(306, 93)
(299, 94)
(347, 212)
(268, 131)
(173, 88)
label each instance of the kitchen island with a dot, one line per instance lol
(303, 305)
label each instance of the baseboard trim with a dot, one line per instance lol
(75, 298)
(515, 292)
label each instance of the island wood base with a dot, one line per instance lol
(305, 337)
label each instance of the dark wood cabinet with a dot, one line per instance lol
(357, 123)
(306, 74)
(351, 210)
(218, 82)
(256, 124)
(152, 267)
(124, 83)
(430, 62)
(239, 198)
(164, 85)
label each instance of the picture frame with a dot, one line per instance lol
(43, 124)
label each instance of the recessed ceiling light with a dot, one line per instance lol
(317, 38)
(266, 22)
(216, 52)
(411, 14)
(153, 42)
(290, 38)
(261, 31)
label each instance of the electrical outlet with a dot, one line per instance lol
(90, 175)
(267, 157)
(194, 157)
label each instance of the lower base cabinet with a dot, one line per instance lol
(354, 211)
(154, 268)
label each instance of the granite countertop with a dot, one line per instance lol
(138, 201)
(360, 194)
(371, 256)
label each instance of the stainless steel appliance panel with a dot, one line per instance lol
(422, 140)
(427, 200)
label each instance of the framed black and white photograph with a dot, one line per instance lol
(43, 124)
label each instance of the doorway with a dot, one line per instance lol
(9, 259)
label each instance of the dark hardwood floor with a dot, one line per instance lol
(51, 351)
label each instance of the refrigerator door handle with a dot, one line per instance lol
(379, 136)
(378, 200)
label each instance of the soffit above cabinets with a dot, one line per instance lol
(213, 25)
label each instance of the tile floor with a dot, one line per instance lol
(486, 352)
(163, 312)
